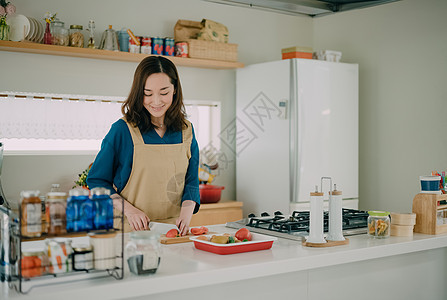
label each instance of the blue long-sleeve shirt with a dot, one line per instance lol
(113, 164)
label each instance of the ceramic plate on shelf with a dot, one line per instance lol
(32, 30)
(19, 27)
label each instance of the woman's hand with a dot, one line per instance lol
(137, 219)
(185, 216)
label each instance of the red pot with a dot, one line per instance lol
(210, 193)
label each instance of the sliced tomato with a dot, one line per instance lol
(172, 233)
(199, 231)
(243, 234)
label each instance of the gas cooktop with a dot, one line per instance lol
(296, 226)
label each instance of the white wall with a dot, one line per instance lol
(401, 50)
(260, 36)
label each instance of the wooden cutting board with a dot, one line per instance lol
(177, 240)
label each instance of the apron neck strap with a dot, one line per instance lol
(135, 133)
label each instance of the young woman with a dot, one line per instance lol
(150, 157)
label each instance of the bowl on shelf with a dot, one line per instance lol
(210, 193)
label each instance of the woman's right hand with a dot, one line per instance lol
(137, 219)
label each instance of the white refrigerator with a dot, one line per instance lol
(296, 121)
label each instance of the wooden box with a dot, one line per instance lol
(426, 207)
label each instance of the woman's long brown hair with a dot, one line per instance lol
(133, 108)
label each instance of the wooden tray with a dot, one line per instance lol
(328, 244)
(180, 239)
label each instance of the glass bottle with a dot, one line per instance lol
(91, 30)
(143, 252)
(76, 37)
(379, 224)
(59, 33)
(109, 40)
(4, 29)
(103, 208)
(47, 38)
(56, 203)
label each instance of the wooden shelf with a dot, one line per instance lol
(28, 47)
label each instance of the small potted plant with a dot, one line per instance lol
(82, 179)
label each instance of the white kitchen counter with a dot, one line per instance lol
(417, 264)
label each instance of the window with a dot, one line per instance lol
(34, 123)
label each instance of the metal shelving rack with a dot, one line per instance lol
(25, 284)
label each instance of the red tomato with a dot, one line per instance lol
(199, 231)
(172, 233)
(243, 234)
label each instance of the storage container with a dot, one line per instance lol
(297, 52)
(143, 252)
(212, 50)
(379, 224)
(430, 184)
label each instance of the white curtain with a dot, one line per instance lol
(51, 116)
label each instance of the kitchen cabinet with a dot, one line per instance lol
(217, 213)
(368, 269)
(27, 47)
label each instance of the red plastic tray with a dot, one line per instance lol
(258, 242)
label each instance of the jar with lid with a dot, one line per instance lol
(103, 208)
(143, 252)
(31, 214)
(76, 36)
(56, 203)
(59, 33)
(379, 224)
(82, 257)
(80, 210)
(59, 252)
(33, 263)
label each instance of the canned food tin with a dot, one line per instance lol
(157, 45)
(181, 49)
(146, 45)
(133, 46)
(168, 48)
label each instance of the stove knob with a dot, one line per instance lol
(264, 214)
(251, 215)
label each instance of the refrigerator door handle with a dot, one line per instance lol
(295, 158)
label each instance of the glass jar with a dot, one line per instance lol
(379, 224)
(31, 214)
(59, 33)
(80, 210)
(103, 208)
(59, 252)
(76, 36)
(82, 257)
(33, 263)
(143, 252)
(56, 203)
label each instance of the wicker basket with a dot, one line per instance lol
(212, 50)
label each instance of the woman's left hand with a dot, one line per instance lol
(185, 216)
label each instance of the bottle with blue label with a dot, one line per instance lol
(103, 208)
(80, 211)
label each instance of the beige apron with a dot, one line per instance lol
(157, 179)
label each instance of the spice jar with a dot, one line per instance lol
(143, 252)
(103, 208)
(33, 263)
(31, 214)
(379, 224)
(76, 36)
(59, 33)
(56, 203)
(82, 257)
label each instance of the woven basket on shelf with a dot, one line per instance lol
(212, 50)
